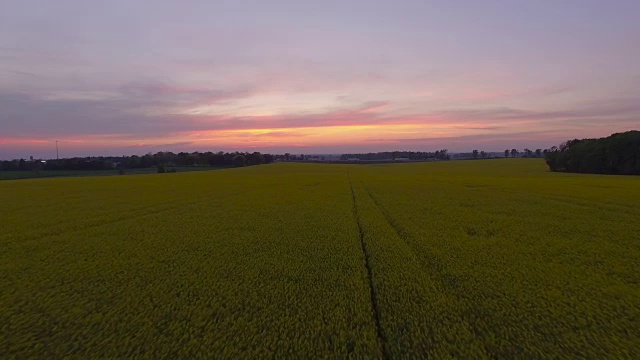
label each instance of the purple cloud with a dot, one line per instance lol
(134, 73)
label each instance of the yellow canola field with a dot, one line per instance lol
(463, 259)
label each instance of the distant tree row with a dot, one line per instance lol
(411, 155)
(538, 153)
(616, 154)
(293, 157)
(481, 154)
(475, 154)
(219, 159)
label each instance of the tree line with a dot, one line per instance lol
(387, 155)
(538, 153)
(616, 154)
(159, 159)
(481, 154)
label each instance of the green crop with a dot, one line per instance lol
(462, 259)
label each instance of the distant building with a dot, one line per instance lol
(401, 159)
(353, 159)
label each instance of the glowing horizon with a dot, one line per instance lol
(310, 78)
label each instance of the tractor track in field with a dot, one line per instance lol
(382, 339)
(137, 213)
(434, 267)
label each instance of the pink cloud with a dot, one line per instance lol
(367, 123)
(22, 142)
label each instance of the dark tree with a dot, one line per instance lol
(239, 160)
(616, 154)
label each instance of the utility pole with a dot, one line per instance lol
(57, 154)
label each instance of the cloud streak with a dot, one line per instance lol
(135, 115)
(25, 115)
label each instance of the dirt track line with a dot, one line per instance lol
(382, 339)
(435, 268)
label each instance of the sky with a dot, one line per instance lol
(130, 77)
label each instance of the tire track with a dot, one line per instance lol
(372, 290)
(434, 266)
(138, 213)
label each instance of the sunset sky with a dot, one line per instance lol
(129, 77)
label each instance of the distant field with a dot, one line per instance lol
(15, 175)
(464, 259)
